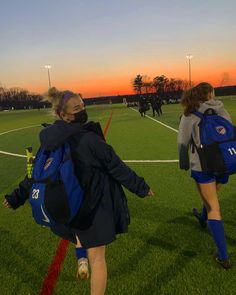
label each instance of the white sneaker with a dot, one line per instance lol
(83, 269)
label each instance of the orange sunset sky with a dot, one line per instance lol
(98, 47)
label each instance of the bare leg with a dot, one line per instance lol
(209, 196)
(98, 266)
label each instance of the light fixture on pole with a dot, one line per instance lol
(189, 57)
(48, 67)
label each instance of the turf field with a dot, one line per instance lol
(165, 251)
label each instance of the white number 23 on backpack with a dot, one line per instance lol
(35, 193)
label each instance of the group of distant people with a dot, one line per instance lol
(156, 104)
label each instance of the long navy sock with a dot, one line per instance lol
(217, 231)
(204, 214)
(80, 253)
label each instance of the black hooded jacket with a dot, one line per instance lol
(100, 171)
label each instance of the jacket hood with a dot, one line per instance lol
(60, 131)
(216, 105)
(56, 134)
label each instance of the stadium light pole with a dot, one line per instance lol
(189, 57)
(48, 67)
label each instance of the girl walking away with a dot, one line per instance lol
(200, 99)
(103, 213)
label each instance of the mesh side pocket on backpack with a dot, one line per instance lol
(211, 159)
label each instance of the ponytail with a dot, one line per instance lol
(58, 99)
(192, 98)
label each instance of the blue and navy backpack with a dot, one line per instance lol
(217, 150)
(56, 194)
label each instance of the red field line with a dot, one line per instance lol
(54, 269)
(105, 131)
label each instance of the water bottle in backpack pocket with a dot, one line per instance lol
(217, 150)
(56, 194)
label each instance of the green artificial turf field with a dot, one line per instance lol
(165, 251)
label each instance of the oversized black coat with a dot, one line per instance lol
(104, 211)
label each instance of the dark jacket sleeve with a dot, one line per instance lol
(116, 168)
(19, 196)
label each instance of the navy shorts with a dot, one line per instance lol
(202, 177)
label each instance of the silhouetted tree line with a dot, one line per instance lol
(169, 90)
(168, 93)
(18, 98)
(159, 84)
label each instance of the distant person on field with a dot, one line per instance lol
(101, 173)
(159, 105)
(201, 98)
(143, 106)
(153, 102)
(156, 105)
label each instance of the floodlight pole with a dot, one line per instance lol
(48, 67)
(189, 57)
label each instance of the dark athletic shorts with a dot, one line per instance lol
(202, 177)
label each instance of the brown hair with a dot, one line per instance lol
(58, 99)
(192, 98)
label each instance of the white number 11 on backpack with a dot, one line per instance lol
(232, 151)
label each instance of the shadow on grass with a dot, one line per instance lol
(182, 247)
(150, 241)
(168, 274)
(184, 220)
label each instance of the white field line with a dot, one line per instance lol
(150, 161)
(159, 122)
(11, 154)
(126, 161)
(13, 130)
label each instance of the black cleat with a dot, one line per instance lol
(198, 216)
(226, 264)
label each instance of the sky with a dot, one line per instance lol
(96, 47)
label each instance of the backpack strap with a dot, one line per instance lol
(209, 111)
(198, 114)
(194, 147)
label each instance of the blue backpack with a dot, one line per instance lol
(55, 195)
(217, 151)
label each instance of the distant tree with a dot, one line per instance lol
(147, 84)
(171, 85)
(160, 83)
(138, 84)
(19, 98)
(177, 85)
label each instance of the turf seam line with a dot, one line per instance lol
(54, 269)
(159, 122)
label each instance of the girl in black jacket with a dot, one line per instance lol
(104, 212)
